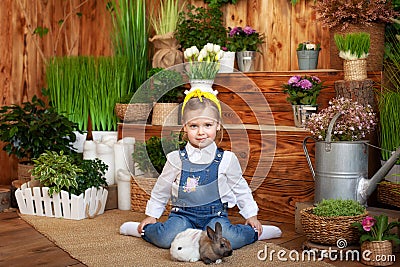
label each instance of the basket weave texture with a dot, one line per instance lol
(389, 193)
(328, 230)
(355, 70)
(140, 193)
(165, 114)
(138, 112)
(379, 250)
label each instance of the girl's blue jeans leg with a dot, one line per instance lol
(162, 234)
(238, 234)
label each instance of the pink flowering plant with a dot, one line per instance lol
(303, 90)
(377, 228)
(244, 39)
(354, 124)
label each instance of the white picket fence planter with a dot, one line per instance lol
(61, 205)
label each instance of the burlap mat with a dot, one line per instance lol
(97, 242)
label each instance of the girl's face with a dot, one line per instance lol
(201, 127)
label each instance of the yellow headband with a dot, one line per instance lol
(198, 93)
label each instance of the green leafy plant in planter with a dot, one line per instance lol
(56, 171)
(68, 172)
(166, 85)
(219, 3)
(31, 128)
(150, 156)
(198, 26)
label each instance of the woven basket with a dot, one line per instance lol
(24, 172)
(138, 112)
(376, 51)
(165, 114)
(381, 253)
(355, 70)
(389, 193)
(328, 230)
(140, 193)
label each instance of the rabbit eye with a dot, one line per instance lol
(179, 248)
(222, 245)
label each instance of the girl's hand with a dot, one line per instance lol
(147, 220)
(255, 223)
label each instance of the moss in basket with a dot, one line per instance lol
(338, 207)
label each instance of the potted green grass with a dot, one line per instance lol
(354, 49)
(331, 220)
(165, 44)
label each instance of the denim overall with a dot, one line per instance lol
(198, 205)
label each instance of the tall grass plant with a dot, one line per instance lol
(166, 19)
(130, 39)
(353, 46)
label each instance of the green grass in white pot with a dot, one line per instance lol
(353, 46)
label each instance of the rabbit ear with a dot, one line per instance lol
(210, 233)
(218, 229)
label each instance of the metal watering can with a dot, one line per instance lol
(341, 168)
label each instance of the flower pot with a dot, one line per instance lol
(328, 230)
(377, 253)
(134, 113)
(204, 85)
(165, 114)
(227, 62)
(37, 201)
(24, 171)
(301, 113)
(355, 70)
(307, 59)
(166, 51)
(246, 60)
(339, 167)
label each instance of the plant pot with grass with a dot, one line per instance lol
(33, 127)
(167, 91)
(354, 49)
(166, 46)
(70, 187)
(149, 158)
(331, 220)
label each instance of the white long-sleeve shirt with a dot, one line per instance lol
(233, 188)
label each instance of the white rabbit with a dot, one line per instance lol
(186, 245)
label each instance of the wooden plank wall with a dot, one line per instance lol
(22, 65)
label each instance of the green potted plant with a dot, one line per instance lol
(302, 93)
(31, 128)
(354, 49)
(71, 187)
(331, 220)
(167, 93)
(245, 42)
(166, 46)
(149, 158)
(376, 238)
(307, 55)
(219, 3)
(198, 26)
(349, 16)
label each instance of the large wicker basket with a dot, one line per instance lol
(389, 193)
(380, 253)
(328, 230)
(140, 193)
(138, 112)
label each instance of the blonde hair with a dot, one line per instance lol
(195, 103)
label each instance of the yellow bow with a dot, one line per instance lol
(198, 93)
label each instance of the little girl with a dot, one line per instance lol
(202, 181)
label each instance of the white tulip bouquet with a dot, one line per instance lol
(203, 64)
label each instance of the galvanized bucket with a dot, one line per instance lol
(339, 166)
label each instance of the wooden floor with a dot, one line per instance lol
(22, 245)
